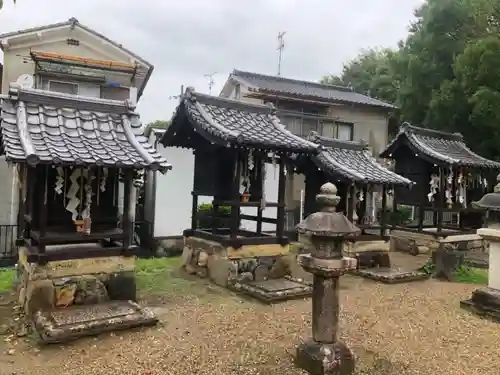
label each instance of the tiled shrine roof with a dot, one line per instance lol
(287, 86)
(39, 126)
(438, 146)
(353, 161)
(231, 123)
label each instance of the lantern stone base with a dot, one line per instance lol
(70, 287)
(321, 359)
(484, 302)
(260, 271)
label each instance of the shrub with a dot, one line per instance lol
(205, 218)
(401, 216)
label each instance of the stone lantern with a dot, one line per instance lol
(486, 301)
(328, 231)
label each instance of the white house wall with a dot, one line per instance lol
(271, 194)
(173, 193)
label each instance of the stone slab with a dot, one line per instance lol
(274, 290)
(70, 323)
(481, 310)
(391, 275)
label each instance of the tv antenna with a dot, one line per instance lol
(210, 77)
(281, 46)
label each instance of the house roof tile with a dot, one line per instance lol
(353, 161)
(233, 123)
(46, 127)
(288, 86)
(439, 146)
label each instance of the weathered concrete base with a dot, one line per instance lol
(274, 290)
(448, 252)
(250, 270)
(79, 297)
(425, 242)
(484, 302)
(323, 359)
(70, 323)
(391, 275)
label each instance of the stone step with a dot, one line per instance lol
(70, 323)
(274, 290)
(389, 275)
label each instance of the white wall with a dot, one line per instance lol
(173, 193)
(271, 194)
(6, 190)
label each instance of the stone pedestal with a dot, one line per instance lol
(486, 301)
(260, 271)
(83, 292)
(323, 353)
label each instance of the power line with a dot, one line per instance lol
(210, 77)
(281, 46)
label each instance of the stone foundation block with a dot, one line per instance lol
(325, 359)
(219, 270)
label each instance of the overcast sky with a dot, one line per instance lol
(186, 39)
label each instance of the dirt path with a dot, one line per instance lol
(394, 329)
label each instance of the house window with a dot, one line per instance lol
(308, 126)
(328, 129)
(292, 123)
(345, 131)
(81, 88)
(64, 87)
(237, 91)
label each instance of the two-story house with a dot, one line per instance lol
(302, 106)
(69, 58)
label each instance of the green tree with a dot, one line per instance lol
(470, 103)
(371, 73)
(444, 75)
(158, 124)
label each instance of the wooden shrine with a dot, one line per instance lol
(366, 191)
(232, 142)
(448, 177)
(75, 251)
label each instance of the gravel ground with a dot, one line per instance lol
(411, 329)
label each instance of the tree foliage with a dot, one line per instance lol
(158, 124)
(445, 75)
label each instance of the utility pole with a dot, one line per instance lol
(210, 77)
(281, 46)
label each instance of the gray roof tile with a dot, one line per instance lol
(39, 126)
(275, 84)
(438, 146)
(233, 123)
(353, 161)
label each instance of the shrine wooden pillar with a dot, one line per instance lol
(236, 199)
(42, 209)
(194, 210)
(21, 216)
(260, 165)
(280, 225)
(383, 213)
(351, 201)
(128, 225)
(442, 199)
(30, 182)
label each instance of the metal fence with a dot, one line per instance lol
(8, 248)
